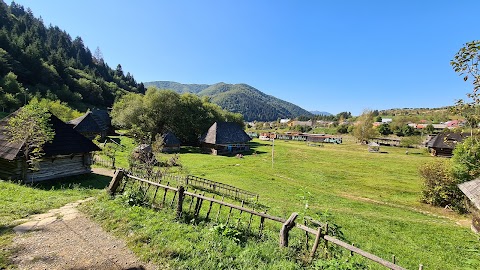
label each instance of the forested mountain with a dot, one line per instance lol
(178, 87)
(241, 98)
(41, 61)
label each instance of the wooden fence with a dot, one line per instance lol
(104, 162)
(196, 182)
(194, 205)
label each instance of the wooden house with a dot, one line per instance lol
(69, 153)
(92, 124)
(443, 143)
(170, 143)
(471, 189)
(225, 138)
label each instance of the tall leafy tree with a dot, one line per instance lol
(159, 111)
(30, 127)
(363, 129)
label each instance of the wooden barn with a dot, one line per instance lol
(225, 138)
(444, 142)
(68, 154)
(170, 143)
(472, 190)
(92, 124)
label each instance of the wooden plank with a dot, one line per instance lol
(209, 209)
(180, 202)
(116, 180)
(286, 227)
(365, 254)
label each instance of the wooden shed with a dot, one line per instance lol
(225, 138)
(444, 142)
(170, 143)
(471, 189)
(92, 124)
(68, 154)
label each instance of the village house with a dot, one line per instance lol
(294, 123)
(69, 153)
(443, 143)
(171, 143)
(386, 120)
(92, 124)
(225, 138)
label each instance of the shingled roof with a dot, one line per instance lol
(447, 140)
(472, 190)
(65, 142)
(225, 133)
(169, 139)
(89, 122)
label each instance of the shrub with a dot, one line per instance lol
(440, 185)
(466, 160)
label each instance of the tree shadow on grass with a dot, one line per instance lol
(88, 181)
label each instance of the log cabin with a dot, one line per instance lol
(225, 138)
(69, 153)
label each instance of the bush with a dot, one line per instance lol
(342, 129)
(466, 160)
(440, 185)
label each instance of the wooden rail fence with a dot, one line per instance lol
(108, 163)
(197, 182)
(184, 202)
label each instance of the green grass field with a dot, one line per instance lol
(373, 197)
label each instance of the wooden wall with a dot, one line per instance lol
(10, 169)
(61, 166)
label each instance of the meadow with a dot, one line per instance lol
(373, 197)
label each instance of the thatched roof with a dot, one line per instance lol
(472, 190)
(65, 142)
(169, 139)
(225, 133)
(89, 122)
(447, 140)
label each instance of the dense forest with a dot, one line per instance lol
(239, 98)
(45, 62)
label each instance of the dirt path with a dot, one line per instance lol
(65, 239)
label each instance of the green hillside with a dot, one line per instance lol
(239, 98)
(41, 61)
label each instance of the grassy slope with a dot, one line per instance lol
(374, 197)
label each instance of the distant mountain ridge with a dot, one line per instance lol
(321, 113)
(239, 98)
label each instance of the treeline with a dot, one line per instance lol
(39, 61)
(158, 111)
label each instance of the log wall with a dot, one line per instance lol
(60, 166)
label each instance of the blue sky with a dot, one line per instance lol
(321, 55)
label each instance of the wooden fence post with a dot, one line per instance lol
(286, 227)
(317, 241)
(181, 195)
(117, 178)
